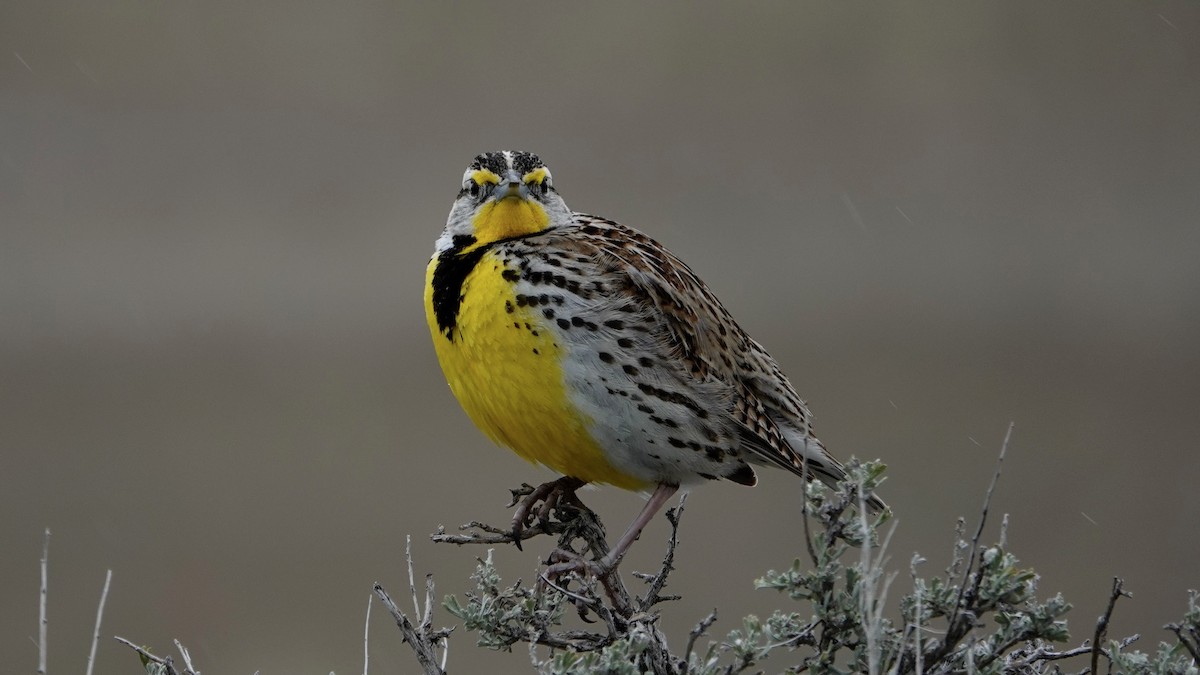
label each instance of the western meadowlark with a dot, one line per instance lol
(586, 346)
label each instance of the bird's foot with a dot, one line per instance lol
(561, 565)
(538, 503)
(565, 561)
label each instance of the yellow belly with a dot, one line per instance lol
(503, 365)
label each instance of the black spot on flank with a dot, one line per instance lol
(510, 275)
(558, 280)
(673, 397)
(713, 453)
(676, 442)
(552, 261)
(723, 332)
(535, 351)
(516, 325)
(573, 286)
(625, 343)
(564, 324)
(665, 421)
(645, 362)
(606, 357)
(630, 370)
(544, 299)
(522, 301)
(548, 313)
(508, 306)
(576, 321)
(645, 408)
(615, 324)
(558, 300)
(533, 332)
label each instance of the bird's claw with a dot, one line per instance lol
(536, 504)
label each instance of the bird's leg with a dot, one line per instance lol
(549, 494)
(569, 562)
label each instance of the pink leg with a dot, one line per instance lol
(661, 494)
(567, 561)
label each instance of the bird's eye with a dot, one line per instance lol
(473, 189)
(545, 185)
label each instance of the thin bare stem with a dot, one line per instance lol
(42, 621)
(366, 636)
(188, 668)
(659, 580)
(166, 662)
(695, 634)
(412, 586)
(987, 503)
(1102, 622)
(99, 615)
(419, 643)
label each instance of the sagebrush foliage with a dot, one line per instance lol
(981, 615)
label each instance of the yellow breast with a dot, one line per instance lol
(504, 366)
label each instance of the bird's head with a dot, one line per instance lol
(504, 194)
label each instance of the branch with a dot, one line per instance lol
(1102, 622)
(423, 639)
(42, 622)
(99, 615)
(166, 662)
(960, 622)
(422, 644)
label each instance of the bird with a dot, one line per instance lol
(586, 346)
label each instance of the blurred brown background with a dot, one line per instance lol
(216, 379)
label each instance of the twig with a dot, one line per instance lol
(412, 584)
(166, 662)
(366, 634)
(987, 502)
(99, 615)
(695, 634)
(959, 622)
(188, 668)
(1192, 646)
(659, 581)
(1102, 622)
(42, 621)
(489, 535)
(424, 650)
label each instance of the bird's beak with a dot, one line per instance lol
(512, 186)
